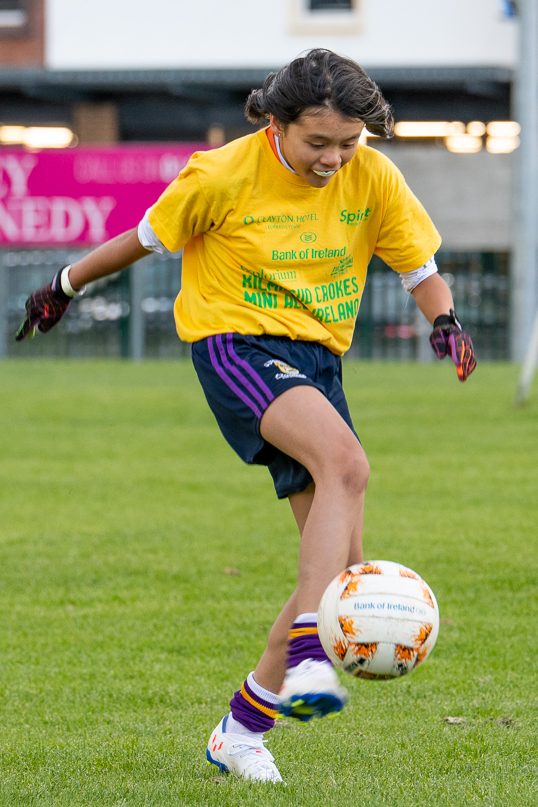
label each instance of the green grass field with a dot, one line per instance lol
(124, 634)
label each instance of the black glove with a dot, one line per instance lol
(44, 308)
(448, 337)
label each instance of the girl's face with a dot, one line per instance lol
(318, 144)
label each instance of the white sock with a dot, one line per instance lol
(302, 618)
(260, 691)
(233, 726)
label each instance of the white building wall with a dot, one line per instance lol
(168, 34)
(468, 196)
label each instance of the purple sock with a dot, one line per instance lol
(254, 707)
(304, 643)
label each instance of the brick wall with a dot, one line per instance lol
(24, 47)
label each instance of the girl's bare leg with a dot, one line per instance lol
(271, 668)
(305, 425)
(300, 505)
(308, 425)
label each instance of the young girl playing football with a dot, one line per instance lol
(278, 229)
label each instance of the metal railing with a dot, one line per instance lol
(130, 314)
(126, 315)
(390, 326)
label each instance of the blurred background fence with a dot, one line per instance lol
(130, 315)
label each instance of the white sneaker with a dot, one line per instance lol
(243, 756)
(311, 690)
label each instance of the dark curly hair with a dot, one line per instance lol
(321, 79)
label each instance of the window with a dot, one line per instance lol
(325, 17)
(330, 5)
(13, 14)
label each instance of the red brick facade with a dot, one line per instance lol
(24, 46)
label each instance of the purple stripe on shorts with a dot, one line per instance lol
(228, 381)
(240, 377)
(246, 366)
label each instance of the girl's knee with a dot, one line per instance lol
(352, 469)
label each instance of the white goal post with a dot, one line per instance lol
(529, 365)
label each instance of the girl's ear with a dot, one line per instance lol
(276, 127)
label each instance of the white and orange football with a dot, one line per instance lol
(378, 620)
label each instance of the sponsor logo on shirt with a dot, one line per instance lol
(307, 254)
(343, 267)
(307, 238)
(354, 217)
(288, 220)
(285, 370)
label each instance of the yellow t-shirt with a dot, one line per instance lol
(264, 252)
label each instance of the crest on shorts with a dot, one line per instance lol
(286, 371)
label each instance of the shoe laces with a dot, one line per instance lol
(253, 748)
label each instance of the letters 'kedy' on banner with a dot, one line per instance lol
(82, 195)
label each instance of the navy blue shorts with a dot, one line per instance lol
(241, 375)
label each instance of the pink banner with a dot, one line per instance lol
(82, 195)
